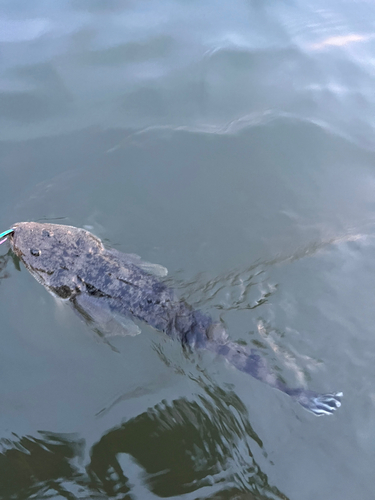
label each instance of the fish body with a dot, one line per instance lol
(74, 265)
(111, 289)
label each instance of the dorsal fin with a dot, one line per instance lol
(132, 258)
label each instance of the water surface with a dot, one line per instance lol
(233, 143)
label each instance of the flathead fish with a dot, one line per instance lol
(110, 289)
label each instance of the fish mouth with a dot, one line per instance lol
(11, 237)
(4, 236)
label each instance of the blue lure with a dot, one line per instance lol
(5, 234)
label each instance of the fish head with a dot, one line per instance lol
(52, 253)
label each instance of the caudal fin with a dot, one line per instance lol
(249, 361)
(319, 404)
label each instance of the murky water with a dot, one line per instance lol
(233, 143)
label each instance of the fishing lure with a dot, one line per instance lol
(5, 234)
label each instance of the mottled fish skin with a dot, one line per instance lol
(72, 264)
(70, 261)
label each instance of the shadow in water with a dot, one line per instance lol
(198, 449)
(3, 264)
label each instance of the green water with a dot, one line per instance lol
(231, 142)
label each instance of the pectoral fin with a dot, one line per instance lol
(97, 313)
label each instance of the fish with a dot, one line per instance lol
(113, 291)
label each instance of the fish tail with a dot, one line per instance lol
(249, 361)
(319, 404)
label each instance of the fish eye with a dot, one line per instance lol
(34, 252)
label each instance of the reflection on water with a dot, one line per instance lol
(40, 467)
(173, 449)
